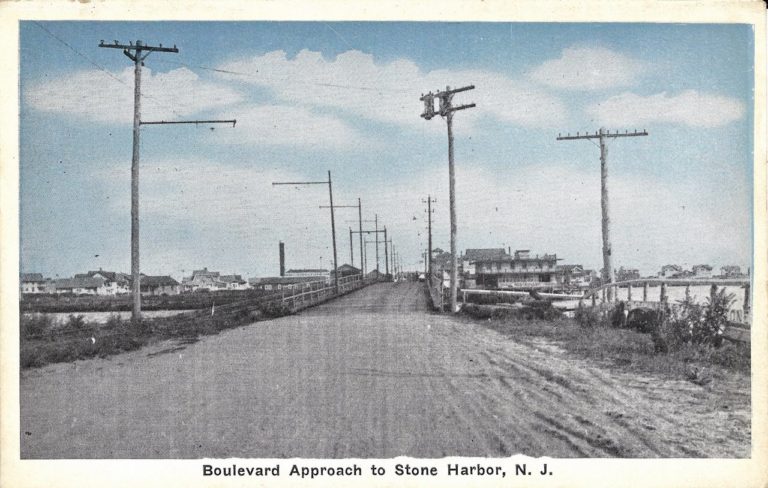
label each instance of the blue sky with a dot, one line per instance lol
(314, 96)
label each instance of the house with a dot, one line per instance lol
(669, 270)
(234, 282)
(159, 285)
(203, 280)
(731, 271)
(574, 275)
(114, 283)
(81, 285)
(285, 283)
(626, 274)
(309, 272)
(495, 269)
(346, 270)
(702, 271)
(33, 283)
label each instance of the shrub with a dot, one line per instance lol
(587, 317)
(35, 325)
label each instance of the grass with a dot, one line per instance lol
(42, 342)
(623, 348)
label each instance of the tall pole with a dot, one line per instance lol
(351, 252)
(386, 253)
(135, 274)
(429, 233)
(360, 229)
(376, 220)
(607, 261)
(603, 135)
(333, 232)
(446, 110)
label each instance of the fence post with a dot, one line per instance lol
(645, 291)
(712, 292)
(594, 299)
(663, 293)
(688, 292)
(603, 295)
(629, 292)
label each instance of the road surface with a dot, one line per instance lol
(373, 374)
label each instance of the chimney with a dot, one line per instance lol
(509, 250)
(282, 259)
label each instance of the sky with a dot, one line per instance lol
(313, 97)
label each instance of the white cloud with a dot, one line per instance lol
(588, 68)
(690, 108)
(289, 125)
(98, 96)
(390, 92)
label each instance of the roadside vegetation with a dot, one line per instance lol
(684, 342)
(44, 341)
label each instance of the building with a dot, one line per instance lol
(670, 270)
(495, 269)
(702, 271)
(286, 283)
(81, 285)
(114, 283)
(203, 280)
(234, 282)
(731, 271)
(346, 270)
(159, 285)
(574, 275)
(310, 272)
(626, 274)
(33, 283)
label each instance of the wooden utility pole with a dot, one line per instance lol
(446, 110)
(386, 253)
(351, 252)
(429, 232)
(333, 219)
(376, 221)
(602, 135)
(360, 224)
(138, 53)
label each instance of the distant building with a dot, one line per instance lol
(234, 282)
(115, 283)
(346, 270)
(285, 283)
(494, 268)
(627, 274)
(670, 270)
(159, 285)
(702, 271)
(574, 275)
(33, 283)
(309, 272)
(81, 285)
(731, 271)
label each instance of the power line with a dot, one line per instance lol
(102, 68)
(289, 80)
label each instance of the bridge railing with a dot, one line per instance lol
(637, 294)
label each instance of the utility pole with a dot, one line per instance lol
(138, 53)
(376, 220)
(333, 220)
(429, 231)
(386, 253)
(446, 109)
(602, 135)
(351, 252)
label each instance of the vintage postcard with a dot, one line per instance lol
(337, 244)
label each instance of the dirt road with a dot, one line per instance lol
(372, 374)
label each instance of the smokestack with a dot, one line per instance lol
(282, 259)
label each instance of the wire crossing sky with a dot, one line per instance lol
(314, 96)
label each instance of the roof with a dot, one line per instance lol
(570, 267)
(79, 282)
(231, 279)
(308, 270)
(31, 277)
(281, 280)
(486, 254)
(205, 272)
(158, 281)
(348, 267)
(110, 275)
